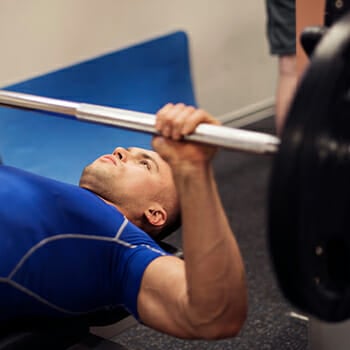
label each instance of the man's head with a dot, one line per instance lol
(140, 184)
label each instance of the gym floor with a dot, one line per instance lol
(243, 184)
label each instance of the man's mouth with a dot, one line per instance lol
(109, 158)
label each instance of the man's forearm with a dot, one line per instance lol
(214, 268)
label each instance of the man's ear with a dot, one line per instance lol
(156, 215)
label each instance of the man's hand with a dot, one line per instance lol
(175, 121)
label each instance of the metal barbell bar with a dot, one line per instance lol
(222, 136)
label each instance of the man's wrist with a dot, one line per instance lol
(190, 168)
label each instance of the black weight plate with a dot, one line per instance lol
(309, 198)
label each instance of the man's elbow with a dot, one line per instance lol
(228, 326)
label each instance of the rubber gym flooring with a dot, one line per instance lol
(243, 184)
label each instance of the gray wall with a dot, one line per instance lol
(232, 70)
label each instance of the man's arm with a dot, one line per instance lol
(205, 296)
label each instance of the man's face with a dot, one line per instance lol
(129, 178)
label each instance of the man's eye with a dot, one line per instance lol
(146, 164)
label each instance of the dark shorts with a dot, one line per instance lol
(281, 26)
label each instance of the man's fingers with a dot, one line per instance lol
(166, 117)
(194, 119)
(178, 120)
(161, 114)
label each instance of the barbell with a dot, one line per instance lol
(309, 189)
(229, 138)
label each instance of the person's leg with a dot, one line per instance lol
(292, 66)
(286, 85)
(282, 40)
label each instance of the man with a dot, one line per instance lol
(67, 251)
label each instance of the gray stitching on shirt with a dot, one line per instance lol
(64, 236)
(121, 229)
(153, 249)
(45, 241)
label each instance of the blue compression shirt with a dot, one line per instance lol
(64, 251)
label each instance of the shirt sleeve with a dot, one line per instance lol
(139, 250)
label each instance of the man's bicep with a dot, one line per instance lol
(162, 297)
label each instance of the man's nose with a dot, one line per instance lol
(121, 153)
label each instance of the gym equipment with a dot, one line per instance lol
(309, 191)
(234, 139)
(310, 37)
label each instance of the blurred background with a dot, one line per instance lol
(232, 71)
